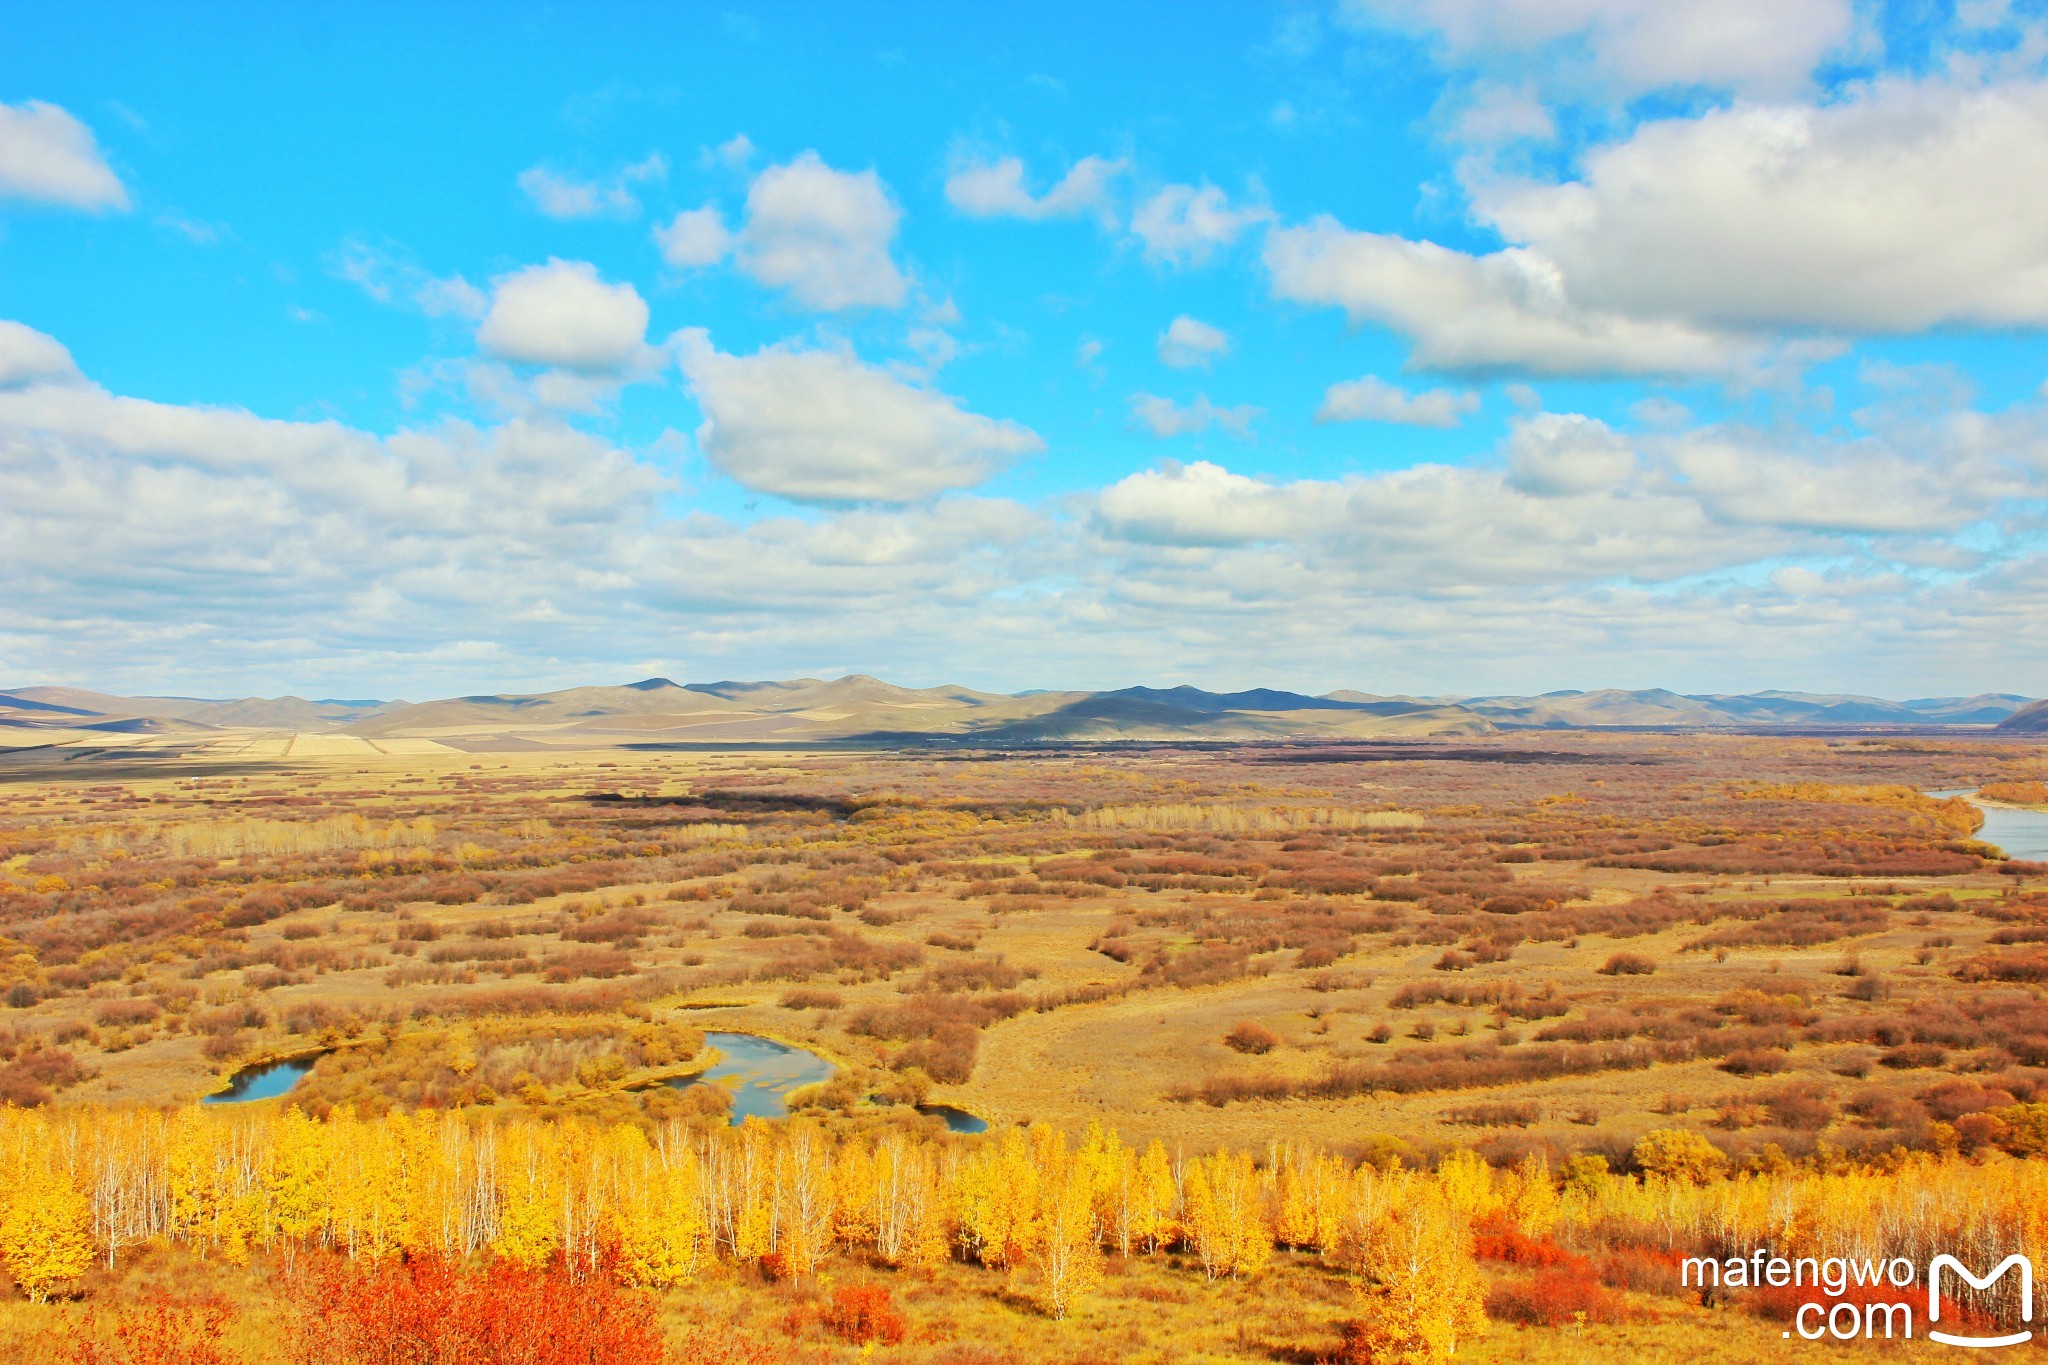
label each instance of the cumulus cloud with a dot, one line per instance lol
(1188, 342)
(562, 314)
(147, 542)
(30, 357)
(1187, 224)
(996, 189)
(563, 196)
(821, 426)
(694, 238)
(1372, 399)
(49, 157)
(823, 235)
(1437, 527)
(1504, 312)
(1741, 477)
(1163, 417)
(1749, 46)
(1912, 205)
(1199, 504)
(1563, 454)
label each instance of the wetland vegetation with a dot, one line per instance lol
(1234, 1023)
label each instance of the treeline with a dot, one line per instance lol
(83, 1186)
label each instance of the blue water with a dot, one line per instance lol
(760, 1074)
(959, 1120)
(265, 1082)
(2017, 833)
(2021, 833)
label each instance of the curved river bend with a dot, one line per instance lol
(760, 1072)
(2017, 833)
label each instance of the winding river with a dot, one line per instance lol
(2018, 833)
(760, 1072)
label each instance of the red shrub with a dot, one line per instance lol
(1494, 1240)
(863, 1314)
(1557, 1297)
(431, 1311)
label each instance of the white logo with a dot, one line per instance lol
(2026, 1269)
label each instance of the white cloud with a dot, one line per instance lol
(823, 235)
(1504, 312)
(1198, 504)
(1750, 46)
(1556, 455)
(49, 157)
(1164, 417)
(1495, 114)
(389, 278)
(561, 314)
(732, 154)
(1186, 225)
(1910, 205)
(1740, 477)
(1372, 399)
(1188, 342)
(146, 543)
(821, 426)
(1436, 528)
(192, 230)
(453, 297)
(562, 196)
(694, 238)
(30, 357)
(996, 189)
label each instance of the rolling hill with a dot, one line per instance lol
(863, 709)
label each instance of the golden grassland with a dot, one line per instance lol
(1532, 948)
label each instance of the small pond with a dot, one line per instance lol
(263, 1082)
(760, 1073)
(959, 1120)
(2018, 833)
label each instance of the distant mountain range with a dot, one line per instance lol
(864, 709)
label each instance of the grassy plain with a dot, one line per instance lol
(1528, 946)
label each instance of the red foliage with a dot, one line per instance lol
(864, 1314)
(159, 1331)
(431, 1311)
(1494, 1240)
(1558, 1296)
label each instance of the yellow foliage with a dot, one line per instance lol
(1238, 818)
(46, 1237)
(1679, 1154)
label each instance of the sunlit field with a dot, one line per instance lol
(1274, 1052)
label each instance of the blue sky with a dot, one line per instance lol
(1404, 345)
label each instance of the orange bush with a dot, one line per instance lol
(864, 1314)
(1559, 1296)
(431, 1311)
(1497, 1241)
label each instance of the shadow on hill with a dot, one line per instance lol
(732, 802)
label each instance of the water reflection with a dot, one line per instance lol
(266, 1081)
(760, 1073)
